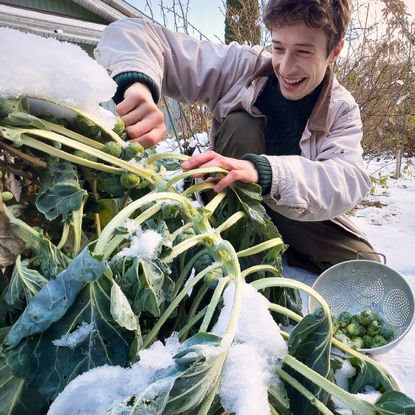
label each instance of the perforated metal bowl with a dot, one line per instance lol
(355, 285)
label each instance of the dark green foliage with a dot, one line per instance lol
(60, 191)
(309, 343)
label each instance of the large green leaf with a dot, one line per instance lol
(369, 374)
(145, 283)
(54, 299)
(394, 403)
(310, 343)
(24, 120)
(10, 245)
(60, 191)
(25, 283)
(48, 365)
(16, 397)
(47, 257)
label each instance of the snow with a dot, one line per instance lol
(256, 350)
(82, 396)
(245, 381)
(45, 67)
(388, 219)
(76, 337)
(144, 244)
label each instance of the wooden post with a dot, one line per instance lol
(398, 162)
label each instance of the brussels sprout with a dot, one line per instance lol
(112, 148)
(344, 318)
(202, 262)
(343, 338)
(84, 155)
(357, 343)
(212, 278)
(85, 126)
(367, 340)
(129, 180)
(355, 329)
(373, 328)
(6, 196)
(336, 324)
(119, 126)
(386, 331)
(132, 150)
(367, 316)
(378, 341)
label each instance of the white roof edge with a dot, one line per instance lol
(62, 28)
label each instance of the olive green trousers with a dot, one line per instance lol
(315, 246)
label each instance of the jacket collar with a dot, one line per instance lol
(319, 116)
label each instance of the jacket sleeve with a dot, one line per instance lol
(330, 184)
(182, 67)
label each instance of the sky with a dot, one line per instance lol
(208, 16)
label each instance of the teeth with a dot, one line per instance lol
(294, 81)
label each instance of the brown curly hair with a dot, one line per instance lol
(333, 16)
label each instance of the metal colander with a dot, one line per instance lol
(359, 284)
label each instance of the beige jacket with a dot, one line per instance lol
(323, 183)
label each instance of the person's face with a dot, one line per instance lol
(299, 58)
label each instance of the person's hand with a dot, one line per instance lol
(143, 119)
(241, 170)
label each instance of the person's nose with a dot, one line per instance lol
(287, 63)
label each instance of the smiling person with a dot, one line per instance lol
(281, 120)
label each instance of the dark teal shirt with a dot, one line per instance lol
(285, 119)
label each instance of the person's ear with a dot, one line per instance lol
(336, 51)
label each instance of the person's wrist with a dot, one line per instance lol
(125, 79)
(263, 169)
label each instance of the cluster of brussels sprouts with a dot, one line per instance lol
(366, 330)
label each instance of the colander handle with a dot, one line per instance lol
(359, 254)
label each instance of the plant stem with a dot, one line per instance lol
(188, 243)
(230, 221)
(305, 392)
(111, 133)
(186, 271)
(195, 172)
(56, 128)
(34, 161)
(183, 332)
(153, 333)
(357, 406)
(271, 243)
(165, 156)
(64, 237)
(213, 303)
(55, 152)
(198, 187)
(215, 202)
(124, 214)
(125, 165)
(259, 268)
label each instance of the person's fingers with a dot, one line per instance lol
(230, 178)
(128, 104)
(199, 160)
(145, 125)
(152, 137)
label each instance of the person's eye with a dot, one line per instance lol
(304, 52)
(277, 49)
